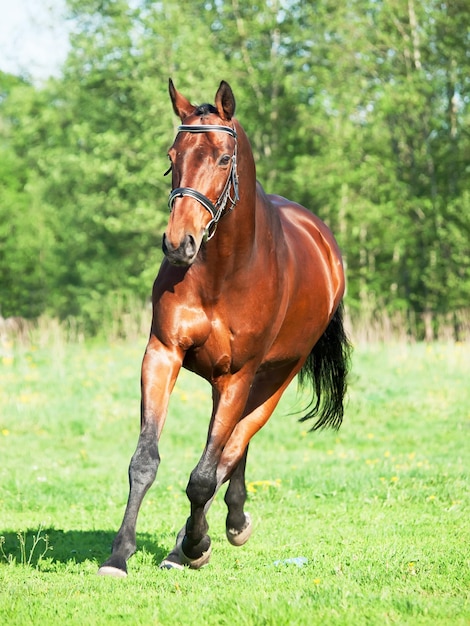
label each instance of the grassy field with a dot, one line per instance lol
(378, 512)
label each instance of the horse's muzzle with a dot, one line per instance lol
(184, 254)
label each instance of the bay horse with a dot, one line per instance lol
(248, 295)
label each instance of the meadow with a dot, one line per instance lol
(367, 525)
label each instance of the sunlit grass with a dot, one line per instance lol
(376, 514)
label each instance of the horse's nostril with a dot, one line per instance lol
(167, 247)
(190, 246)
(164, 244)
(182, 253)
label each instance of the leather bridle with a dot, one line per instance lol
(215, 209)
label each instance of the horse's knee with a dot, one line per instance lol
(202, 485)
(145, 461)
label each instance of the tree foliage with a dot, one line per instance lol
(358, 109)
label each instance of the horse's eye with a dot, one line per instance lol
(225, 159)
(169, 169)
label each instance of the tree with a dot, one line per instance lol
(27, 259)
(357, 109)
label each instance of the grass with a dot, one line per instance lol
(379, 511)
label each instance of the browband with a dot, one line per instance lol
(205, 128)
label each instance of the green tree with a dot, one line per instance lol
(358, 109)
(27, 261)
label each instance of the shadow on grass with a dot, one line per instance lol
(65, 546)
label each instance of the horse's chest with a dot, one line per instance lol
(223, 352)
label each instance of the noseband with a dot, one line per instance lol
(217, 209)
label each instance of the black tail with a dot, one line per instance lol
(327, 368)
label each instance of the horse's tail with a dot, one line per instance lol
(327, 368)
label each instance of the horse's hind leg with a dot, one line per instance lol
(224, 458)
(193, 545)
(238, 524)
(265, 395)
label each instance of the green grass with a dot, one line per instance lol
(380, 509)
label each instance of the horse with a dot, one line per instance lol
(249, 295)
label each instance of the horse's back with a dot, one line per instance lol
(311, 244)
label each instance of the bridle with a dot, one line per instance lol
(215, 209)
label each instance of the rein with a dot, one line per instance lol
(215, 209)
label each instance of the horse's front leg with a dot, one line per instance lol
(193, 545)
(160, 369)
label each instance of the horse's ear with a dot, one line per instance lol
(181, 106)
(225, 101)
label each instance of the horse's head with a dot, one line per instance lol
(204, 177)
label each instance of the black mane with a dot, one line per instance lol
(205, 109)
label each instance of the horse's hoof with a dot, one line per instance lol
(194, 563)
(109, 570)
(172, 561)
(166, 564)
(239, 537)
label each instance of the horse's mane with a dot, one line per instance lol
(205, 109)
